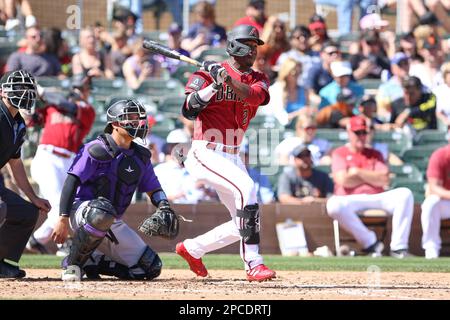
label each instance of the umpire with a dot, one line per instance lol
(17, 216)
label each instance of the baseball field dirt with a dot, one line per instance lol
(174, 284)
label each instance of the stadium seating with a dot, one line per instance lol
(214, 54)
(162, 127)
(426, 137)
(160, 88)
(397, 141)
(419, 155)
(417, 187)
(53, 82)
(337, 137)
(408, 172)
(171, 106)
(183, 72)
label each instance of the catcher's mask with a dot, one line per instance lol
(130, 115)
(19, 88)
(243, 32)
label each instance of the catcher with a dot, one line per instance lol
(98, 189)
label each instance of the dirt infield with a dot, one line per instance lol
(229, 285)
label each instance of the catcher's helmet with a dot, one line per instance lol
(19, 88)
(235, 47)
(130, 115)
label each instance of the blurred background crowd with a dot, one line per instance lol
(327, 61)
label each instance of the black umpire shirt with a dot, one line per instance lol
(12, 135)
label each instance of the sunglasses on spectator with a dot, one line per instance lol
(310, 128)
(304, 154)
(35, 36)
(360, 133)
(334, 52)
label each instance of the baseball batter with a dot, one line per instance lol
(66, 123)
(223, 99)
(437, 203)
(97, 191)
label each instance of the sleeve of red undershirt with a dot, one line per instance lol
(434, 169)
(259, 92)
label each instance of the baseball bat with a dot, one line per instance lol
(156, 47)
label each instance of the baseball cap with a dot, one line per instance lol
(341, 68)
(300, 149)
(346, 95)
(372, 21)
(357, 123)
(367, 99)
(177, 136)
(175, 28)
(258, 4)
(398, 58)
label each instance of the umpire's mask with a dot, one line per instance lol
(19, 88)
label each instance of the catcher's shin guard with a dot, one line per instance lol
(249, 229)
(108, 267)
(99, 216)
(150, 263)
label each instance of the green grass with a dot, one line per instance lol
(233, 262)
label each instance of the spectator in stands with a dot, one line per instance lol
(416, 110)
(140, 66)
(288, 99)
(154, 143)
(12, 19)
(360, 179)
(408, 45)
(442, 93)
(320, 74)
(205, 33)
(367, 108)
(57, 46)
(337, 115)
(89, 60)
(301, 52)
(427, 12)
(34, 59)
(305, 133)
(178, 184)
(120, 51)
(262, 65)
(373, 21)
(174, 43)
(125, 20)
(342, 73)
(302, 183)
(372, 58)
(254, 15)
(344, 10)
(319, 33)
(392, 89)
(437, 201)
(275, 39)
(429, 70)
(263, 187)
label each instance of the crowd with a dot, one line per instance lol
(316, 82)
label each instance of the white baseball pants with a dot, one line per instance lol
(434, 209)
(49, 171)
(398, 202)
(226, 173)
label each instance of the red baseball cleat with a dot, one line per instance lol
(260, 273)
(196, 265)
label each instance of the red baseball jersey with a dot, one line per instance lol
(226, 117)
(370, 159)
(65, 130)
(439, 166)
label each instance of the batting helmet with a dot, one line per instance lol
(243, 32)
(130, 115)
(19, 88)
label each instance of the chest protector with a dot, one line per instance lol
(120, 174)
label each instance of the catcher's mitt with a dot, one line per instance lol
(163, 223)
